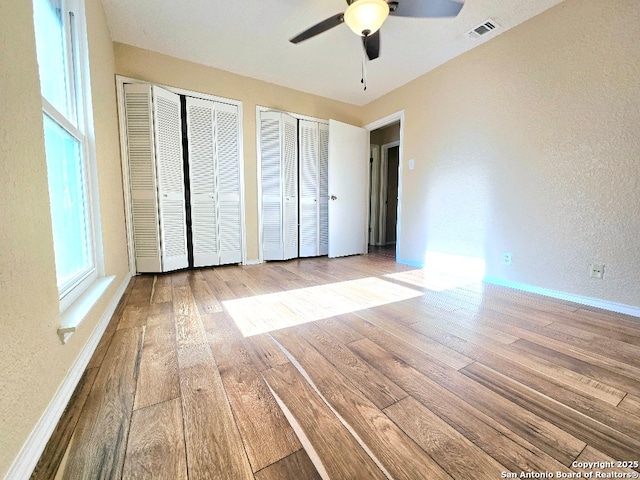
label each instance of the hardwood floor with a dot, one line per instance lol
(471, 382)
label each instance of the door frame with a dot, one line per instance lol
(374, 194)
(384, 180)
(383, 122)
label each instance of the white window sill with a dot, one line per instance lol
(73, 316)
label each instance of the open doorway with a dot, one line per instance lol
(384, 188)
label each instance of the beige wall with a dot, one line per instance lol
(161, 69)
(530, 143)
(34, 363)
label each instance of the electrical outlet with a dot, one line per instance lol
(597, 270)
(506, 258)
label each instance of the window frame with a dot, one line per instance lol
(79, 127)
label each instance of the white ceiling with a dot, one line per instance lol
(251, 38)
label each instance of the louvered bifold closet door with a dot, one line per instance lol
(168, 142)
(229, 189)
(323, 199)
(203, 184)
(309, 188)
(142, 177)
(271, 184)
(290, 184)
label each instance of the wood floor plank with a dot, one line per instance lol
(213, 444)
(183, 301)
(505, 446)
(502, 308)
(134, 315)
(239, 289)
(513, 296)
(609, 318)
(442, 353)
(266, 350)
(98, 448)
(297, 466)
(631, 404)
(141, 290)
(623, 382)
(266, 434)
(188, 323)
(160, 308)
(454, 321)
(58, 444)
(203, 296)
(155, 448)
(158, 379)
(612, 330)
(339, 452)
(189, 330)
(561, 342)
(606, 346)
(217, 285)
(376, 387)
(461, 458)
(339, 330)
(400, 455)
(592, 432)
(161, 291)
(258, 280)
(180, 279)
(492, 353)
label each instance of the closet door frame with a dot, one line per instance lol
(297, 116)
(120, 82)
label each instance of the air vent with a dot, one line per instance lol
(483, 29)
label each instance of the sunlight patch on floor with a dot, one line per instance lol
(443, 271)
(265, 313)
(436, 281)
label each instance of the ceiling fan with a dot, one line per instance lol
(365, 17)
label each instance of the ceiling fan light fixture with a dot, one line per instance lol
(365, 17)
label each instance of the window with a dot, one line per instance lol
(59, 43)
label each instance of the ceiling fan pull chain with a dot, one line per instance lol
(363, 80)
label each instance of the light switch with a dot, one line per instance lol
(411, 164)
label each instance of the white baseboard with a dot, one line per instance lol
(410, 263)
(257, 261)
(27, 459)
(592, 302)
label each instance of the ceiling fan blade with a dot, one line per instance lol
(372, 45)
(319, 28)
(425, 8)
